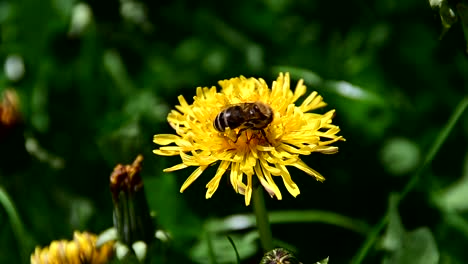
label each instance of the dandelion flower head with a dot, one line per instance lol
(245, 154)
(81, 250)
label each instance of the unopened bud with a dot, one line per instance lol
(132, 217)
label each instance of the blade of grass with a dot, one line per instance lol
(16, 224)
(444, 133)
(235, 249)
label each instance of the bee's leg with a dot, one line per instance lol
(264, 136)
(239, 133)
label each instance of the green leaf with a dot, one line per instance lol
(457, 222)
(353, 92)
(223, 252)
(415, 247)
(418, 247)
(454, 197)
(393, 238)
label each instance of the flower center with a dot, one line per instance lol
(249, 137)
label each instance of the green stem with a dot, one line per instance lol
(373, 235)
(261, 215)
(461, 107)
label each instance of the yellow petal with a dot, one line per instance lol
(241, 187)
(288, 182)
(264, 148)
(291, 149)
(248, 190)
(247, 164)
(267, 167)
(195, 174)
(302, 166)
(165, 153)
(326, 149)
(267, 182)
(165, 139)
(176, 167)
(235, 171)
(183, 103)
(299, 91)
(214, 183)
(313, 101)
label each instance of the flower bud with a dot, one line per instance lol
(132, 217)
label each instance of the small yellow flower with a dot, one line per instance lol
(294, 131)
(82, 250)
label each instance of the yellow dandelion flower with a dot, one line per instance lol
(81, 250)
(264, 152)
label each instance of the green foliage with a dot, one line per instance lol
(23, 240)
(96, 80)
(238, 261)
(400, 156)
(222, 250)
(453, 197)
(417, 246)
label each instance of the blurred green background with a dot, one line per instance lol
(96, 80)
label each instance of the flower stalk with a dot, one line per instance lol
(261, 215)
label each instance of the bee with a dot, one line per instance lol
(255, 115)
